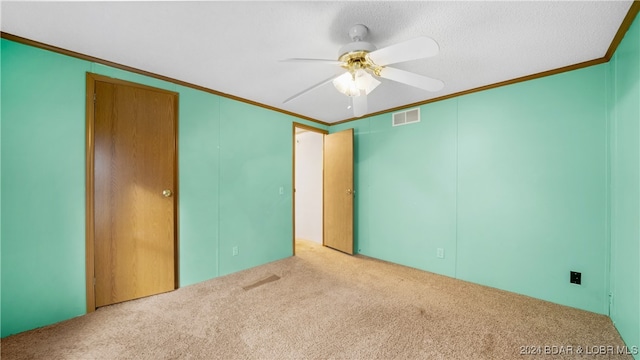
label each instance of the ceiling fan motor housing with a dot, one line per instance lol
(357, 33)
(357, 46)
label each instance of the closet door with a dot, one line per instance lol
(134, 186)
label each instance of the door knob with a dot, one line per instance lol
(167, 193)
(348, 191)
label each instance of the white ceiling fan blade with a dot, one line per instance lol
(413, 79)
(417, 48)
(320, 61)
(359, 104)
(328, 80)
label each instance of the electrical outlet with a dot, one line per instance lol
(281, 190)
(575, 278)
(440, 253)
(235, 251)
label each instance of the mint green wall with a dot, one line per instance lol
(199, 172)
(42, 223)
(256, 154)
(405, 181)
(624, 114)
(233, 158)
(510, 182)
(532, 188)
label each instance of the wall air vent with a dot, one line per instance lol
(406, 117)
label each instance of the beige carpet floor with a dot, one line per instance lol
(322, 304)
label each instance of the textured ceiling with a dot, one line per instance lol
(235, 47)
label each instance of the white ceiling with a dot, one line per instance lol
(235, 47)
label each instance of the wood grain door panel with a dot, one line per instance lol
(134, 162)
(338, 191)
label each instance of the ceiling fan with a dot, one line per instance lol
(364, 62)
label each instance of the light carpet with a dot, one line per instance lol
(323, 304)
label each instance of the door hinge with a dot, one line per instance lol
(94, 282)
(94, 97)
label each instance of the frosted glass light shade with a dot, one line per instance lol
(351, 85)
(346, 85)
(364, 81)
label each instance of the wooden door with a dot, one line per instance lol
(338, 191)
(134, 191)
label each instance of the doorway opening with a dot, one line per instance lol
(308, 148)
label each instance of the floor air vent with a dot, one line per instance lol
(406, 117)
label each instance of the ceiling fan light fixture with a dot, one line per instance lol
(351, 84)
(365, 81)
(346, 84)
(359, 76)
